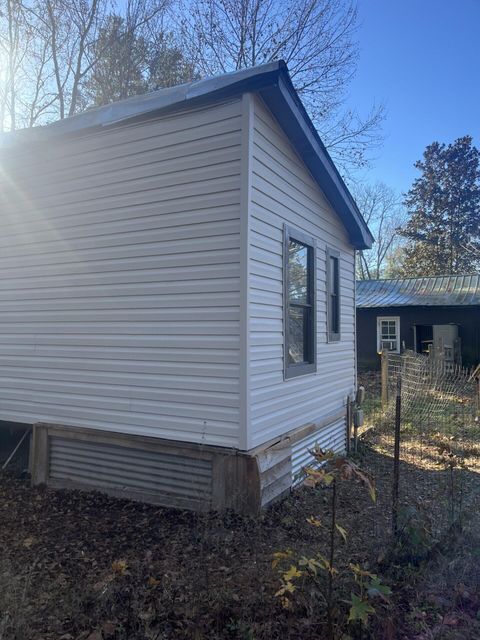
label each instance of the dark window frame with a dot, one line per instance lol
(304, 368)
(333, 334)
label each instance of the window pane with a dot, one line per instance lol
(389, 338)
(334, 314)
(333, 284)
(299, 306)
(391, 345)
(389, 330)
(297, 335)
(333, 290)
(298, 272)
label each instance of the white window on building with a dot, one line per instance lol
(388, 333)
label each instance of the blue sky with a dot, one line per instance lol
(422, 59)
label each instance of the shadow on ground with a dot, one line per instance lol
(83, 565)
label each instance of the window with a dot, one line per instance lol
(333, 295)
(299, 296)
(388, 334)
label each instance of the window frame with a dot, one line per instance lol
(395, 319)
(309, 367)
(333, 336)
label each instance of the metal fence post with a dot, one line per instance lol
(477, 387)
(349, 423)
(384, 368)
(355, 432)
(396, 457)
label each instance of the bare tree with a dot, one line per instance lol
(15, 40)
(316, 38)
(36, 98)
(474, 250)
(383, 212)
(51, 48)
(66, 55)
(69, 30)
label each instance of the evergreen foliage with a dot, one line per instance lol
(444, 212)
(129, 64)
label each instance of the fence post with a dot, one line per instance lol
(396, 457)
(349, 423)
(384, 368)
(355, 430)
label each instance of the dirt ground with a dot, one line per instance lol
(82, 565)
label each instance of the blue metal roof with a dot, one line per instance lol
(459, 290)
(271, 81)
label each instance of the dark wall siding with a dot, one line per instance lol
(468, 319)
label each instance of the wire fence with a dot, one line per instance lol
(434, 442)
(434, 396)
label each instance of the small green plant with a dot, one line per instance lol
(453, 464)
(370, 588)
(239, 630)
(287, 577)
(415, 532)
(328, 470)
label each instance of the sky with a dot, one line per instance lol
(421, 58)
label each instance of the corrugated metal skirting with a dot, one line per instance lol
(332, 437)
(168, 478)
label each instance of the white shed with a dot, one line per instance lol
(177, 312)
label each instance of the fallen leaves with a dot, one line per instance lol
(120, 567)
(111, 566)
(29, 542)
(315, 522)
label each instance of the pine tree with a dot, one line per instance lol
(444, 211)
(129, 64)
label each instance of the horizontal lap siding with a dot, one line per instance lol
(332, 438)
(119, 287)
(283, 191)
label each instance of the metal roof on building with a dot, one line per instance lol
(459, 290)
(271, 81)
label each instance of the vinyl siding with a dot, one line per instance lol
(333, 438)
(283, 192)
(120, 279)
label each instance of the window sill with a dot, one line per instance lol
(394, 351)
(294, 371)
(333, 337)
